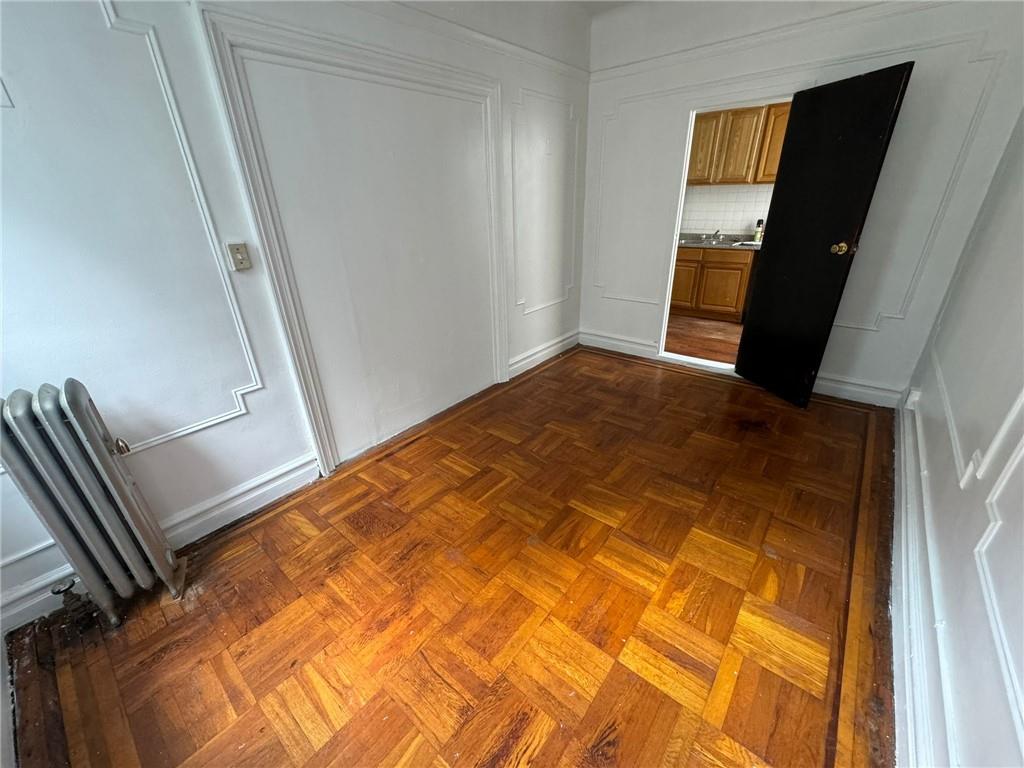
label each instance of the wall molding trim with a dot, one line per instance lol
(1011, 676)
(617, 343)
(744, 88)
(207, 516)
(863, 15)
(981, 460)
(233, 39)
(850, 388)
(714, 94)
(428, 22)
(537, 355)
(148, 33)
(26, 553)
(5, 97)
(922, 698)
(575, 251)
(32, 599)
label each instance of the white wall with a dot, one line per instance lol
(732, 208)
(558, 30)
(626, 33)
(425, 218)
(958, 610)
(121, 185)
(959, 110)
(114, 273)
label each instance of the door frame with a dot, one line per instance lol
(230, 37)
(712, 98)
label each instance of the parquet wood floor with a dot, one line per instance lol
(605, 562)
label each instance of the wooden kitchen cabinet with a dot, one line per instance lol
(738, 145)
(775, 124)
(712, 282)
(703, 147)
(685, 280)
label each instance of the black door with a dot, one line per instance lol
(831, 157)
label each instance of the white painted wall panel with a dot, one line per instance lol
(636, 198)
(101, 200)
(114, 127)
(968, 392)
(545, 151)
(625, 33)
(557, 29)
(110, 243)
(113, 273)
(383, 195)
(963, 98)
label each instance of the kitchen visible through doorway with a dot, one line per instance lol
(734, 158)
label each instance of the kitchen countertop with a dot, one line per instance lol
(727, 242)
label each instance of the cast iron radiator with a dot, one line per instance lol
(62, 459)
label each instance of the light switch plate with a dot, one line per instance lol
(239, 256)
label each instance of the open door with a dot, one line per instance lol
(831, 157)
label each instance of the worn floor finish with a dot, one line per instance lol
(697, 337)
(606, 562)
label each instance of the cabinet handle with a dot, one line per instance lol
(839, 248)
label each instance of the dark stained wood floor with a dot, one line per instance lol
(606, 562)
(708, 339)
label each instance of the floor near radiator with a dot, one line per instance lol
(607, 561)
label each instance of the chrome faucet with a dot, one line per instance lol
(715, 236)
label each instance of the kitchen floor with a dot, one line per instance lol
(708, 339)
(608, 561)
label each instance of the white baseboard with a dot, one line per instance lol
(859, 390)
(923, 730)
(216, 512)
(30, 600)
(836, 386)
(616, 343)
(540, 353)
(23, 603)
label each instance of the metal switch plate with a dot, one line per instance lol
(239, 256)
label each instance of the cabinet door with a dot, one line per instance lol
(776, 120)
(684, 284)
(722, 289)
(702, 148)
(736, 158)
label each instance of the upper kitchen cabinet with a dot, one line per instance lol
(740, 141)
(776, 120)
(703, 148)
(737, 146)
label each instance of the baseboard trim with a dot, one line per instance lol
(859, 390)
(32, 599)
(537, 355)
(21, 604)
(843, 387)
(210, 514)
(616, 343)
(923, 733)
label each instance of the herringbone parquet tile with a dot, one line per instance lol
(607, 562)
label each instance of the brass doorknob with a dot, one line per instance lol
(839, 248)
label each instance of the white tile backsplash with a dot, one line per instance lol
(732, 208)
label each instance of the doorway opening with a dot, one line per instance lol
(733, 161)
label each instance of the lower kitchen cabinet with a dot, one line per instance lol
(712, 282)
(686, 279)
